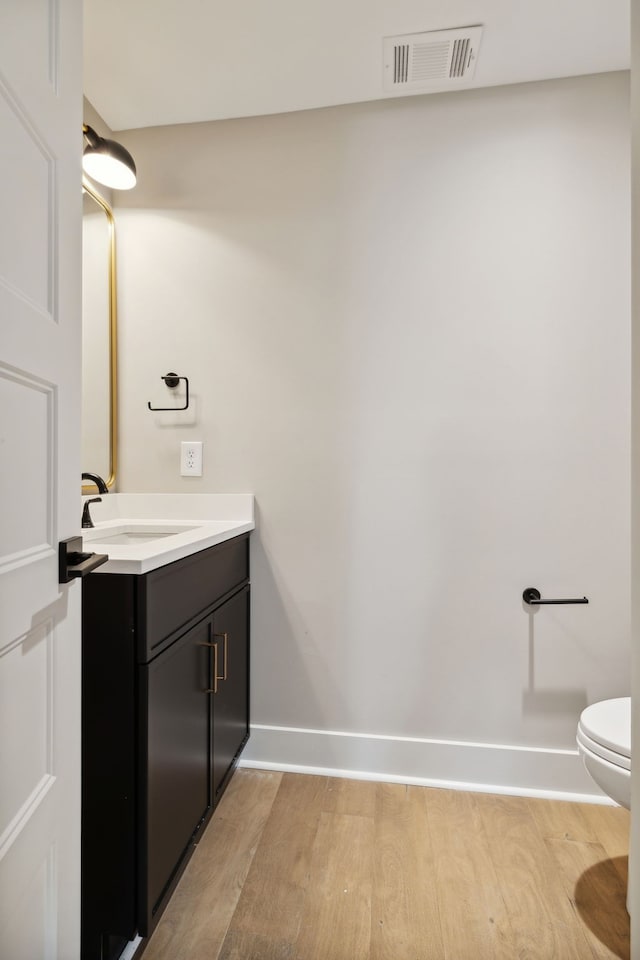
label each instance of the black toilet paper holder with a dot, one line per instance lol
(533, 597)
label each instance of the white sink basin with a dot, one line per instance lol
(135, 533)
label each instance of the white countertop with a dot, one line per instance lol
(199, 521)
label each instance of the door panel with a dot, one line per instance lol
(27, 170)
(40, 250)
(25, 678)
(27, 534)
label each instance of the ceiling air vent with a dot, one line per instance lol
(438, 60)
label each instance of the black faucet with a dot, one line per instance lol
(86, 516)
(99, 482)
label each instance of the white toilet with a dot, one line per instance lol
(604, 742)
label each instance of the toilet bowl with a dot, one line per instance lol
(604, 742)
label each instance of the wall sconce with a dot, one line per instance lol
(107, 161)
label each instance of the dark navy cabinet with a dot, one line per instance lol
(165, 718)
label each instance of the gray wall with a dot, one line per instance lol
(406, 326)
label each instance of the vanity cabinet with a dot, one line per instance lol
(165, 717)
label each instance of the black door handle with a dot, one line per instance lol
(73, 562)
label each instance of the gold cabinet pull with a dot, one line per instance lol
(225, 654)
(225, 660)
(214, 673)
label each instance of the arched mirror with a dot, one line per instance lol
(99, 339)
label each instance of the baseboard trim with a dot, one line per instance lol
(454, 764)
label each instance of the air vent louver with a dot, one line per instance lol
(401, 63)
(435, 60)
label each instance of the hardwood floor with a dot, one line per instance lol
(298, 867)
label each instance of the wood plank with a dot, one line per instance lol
(542, 916)
(274, 891)
(196, 919)
(405, 918)
(593, 884)
(356, 797)
(562, 820)
(611, 826)
(336, 920)
(587, 822)
(474, 921)
(240, 945)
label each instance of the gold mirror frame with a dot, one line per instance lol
(113, 341)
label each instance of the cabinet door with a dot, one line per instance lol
(176, 777)
(231, 699)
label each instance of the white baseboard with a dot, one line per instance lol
(459, 765)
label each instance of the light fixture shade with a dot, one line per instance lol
(108, 162)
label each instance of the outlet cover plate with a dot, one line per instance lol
(191, 458)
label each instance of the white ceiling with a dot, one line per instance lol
(154, 62)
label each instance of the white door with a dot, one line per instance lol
(40, 258)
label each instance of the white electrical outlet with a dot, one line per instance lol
(191, 458)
